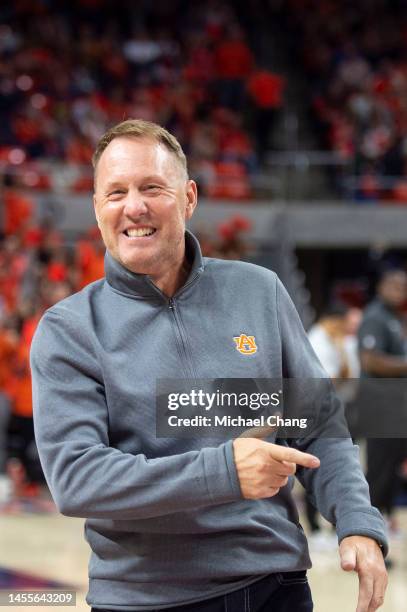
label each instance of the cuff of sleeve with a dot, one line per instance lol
(220, 473)
(369, 524)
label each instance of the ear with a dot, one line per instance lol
(192, 198)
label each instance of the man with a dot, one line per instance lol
(383, 354)
(334, 341)
(179, 524)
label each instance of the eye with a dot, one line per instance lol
(116, 192)
(152, 187)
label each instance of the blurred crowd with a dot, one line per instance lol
(69, 70)
(37, 269)
(354, 55)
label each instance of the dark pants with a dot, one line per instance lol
(4, 420)
(284, 592)
(21, 445)
(384, 457)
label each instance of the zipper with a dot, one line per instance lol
(188, 284)
(179, 292)
(181, 338)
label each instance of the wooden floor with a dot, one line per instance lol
(52, 546)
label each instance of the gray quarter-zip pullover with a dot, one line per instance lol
(166, 520)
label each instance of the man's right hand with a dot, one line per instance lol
(263, 468)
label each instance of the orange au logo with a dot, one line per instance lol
(245, 344)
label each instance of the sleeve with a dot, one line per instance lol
(87, 477)
(338, 488)
(372, 335)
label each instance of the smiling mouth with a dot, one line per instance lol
(140, 232)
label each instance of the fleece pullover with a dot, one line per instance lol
(165, 517)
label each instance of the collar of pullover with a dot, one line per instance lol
(141, 285)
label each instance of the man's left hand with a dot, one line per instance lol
(364, 556)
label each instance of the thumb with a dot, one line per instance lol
(348, 557)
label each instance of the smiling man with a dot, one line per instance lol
(183, 524)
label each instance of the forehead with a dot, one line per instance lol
(128, 157)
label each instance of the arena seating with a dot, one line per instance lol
(353, 54)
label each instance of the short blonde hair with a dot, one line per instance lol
(138, 128)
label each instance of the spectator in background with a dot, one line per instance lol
(21, 429)
(90, 253)
(18, 208)
(14, 262)
(234, 62)
(266, 90)
(333, 340)
(21, 442)
(382, 347)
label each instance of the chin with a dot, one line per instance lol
(131, 265)
(136, 266)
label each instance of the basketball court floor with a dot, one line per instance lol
(41, 549)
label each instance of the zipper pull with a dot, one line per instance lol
(171, 304)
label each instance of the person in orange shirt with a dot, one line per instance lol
(21, 429)
(13, 264)
(266, 91)
(233, 63)
(90, 258)
(18, 209)
(8, 347)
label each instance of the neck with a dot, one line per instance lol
(390, 306)
(173, 279)
(188, 262)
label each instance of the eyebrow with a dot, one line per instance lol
(113, 185)
(154, 178)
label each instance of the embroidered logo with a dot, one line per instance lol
(245, 344)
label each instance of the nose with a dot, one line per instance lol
(134, 205)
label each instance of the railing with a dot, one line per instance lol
(286, 176)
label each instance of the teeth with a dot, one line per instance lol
(139, 232)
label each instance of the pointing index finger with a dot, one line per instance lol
(282, 453)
